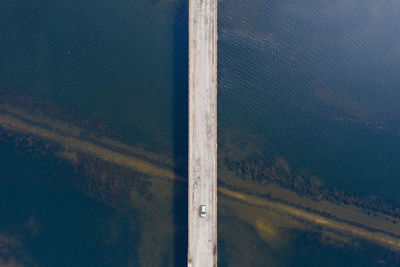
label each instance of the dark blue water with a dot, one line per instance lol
(53, 223)
(314, 82)
(103, 59)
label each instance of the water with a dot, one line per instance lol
(316, 80)
(51, 223)
(312, 82)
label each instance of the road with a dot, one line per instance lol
(202, 247)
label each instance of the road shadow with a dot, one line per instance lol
(180, 130)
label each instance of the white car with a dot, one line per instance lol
(203, 211)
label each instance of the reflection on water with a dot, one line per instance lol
(93, 130)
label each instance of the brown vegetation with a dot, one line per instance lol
(266, 171)
(113, 168)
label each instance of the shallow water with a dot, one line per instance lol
(313, 83)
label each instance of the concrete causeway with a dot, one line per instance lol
(202, 246)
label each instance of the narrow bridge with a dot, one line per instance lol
(202, 246)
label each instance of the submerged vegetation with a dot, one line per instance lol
(278, 172)
(259, 190)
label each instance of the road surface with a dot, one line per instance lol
(202, 247)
